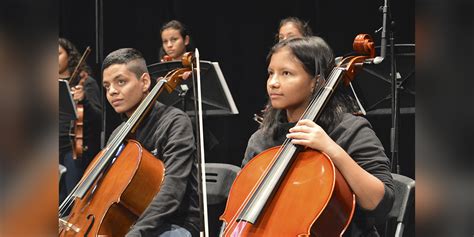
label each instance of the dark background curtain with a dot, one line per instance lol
(238, 35)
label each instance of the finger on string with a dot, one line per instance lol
(300, 142)
(297, 135)
(306, 122)
(300, 128)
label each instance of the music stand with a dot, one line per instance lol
(67, 106)
(216, 97)
(375, 89)
(373, 83)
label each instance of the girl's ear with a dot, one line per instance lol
(314, 83)
(186, 40)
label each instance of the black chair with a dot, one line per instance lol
(402, 206)
(219, 180)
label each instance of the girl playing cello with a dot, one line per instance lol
(296, 69)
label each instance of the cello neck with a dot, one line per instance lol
(323, 94)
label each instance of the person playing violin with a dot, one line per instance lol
(167, 133)
(296, 68)
(86, 93)
(175, 40)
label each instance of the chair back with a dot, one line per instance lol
(219, 179)
(403, 203)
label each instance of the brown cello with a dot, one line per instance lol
(78, 124)
(121, 180)
(292, 191)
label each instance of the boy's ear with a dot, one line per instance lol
(146, 80)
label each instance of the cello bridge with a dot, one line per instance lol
(68, 226)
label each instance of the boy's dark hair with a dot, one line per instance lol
(126, 56)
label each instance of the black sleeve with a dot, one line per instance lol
(362, 144)
(91, 101)
(178, 155)
(254, 147)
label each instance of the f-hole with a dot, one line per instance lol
(90, 225)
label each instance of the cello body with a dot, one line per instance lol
(313, 194)
(110, 208)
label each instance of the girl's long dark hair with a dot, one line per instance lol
(317, 59)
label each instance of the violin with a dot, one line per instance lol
(167, 58)
(290, 190)
(122, 179)
(78, 124)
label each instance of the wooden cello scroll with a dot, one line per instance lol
(120, 182)
(289, 190)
